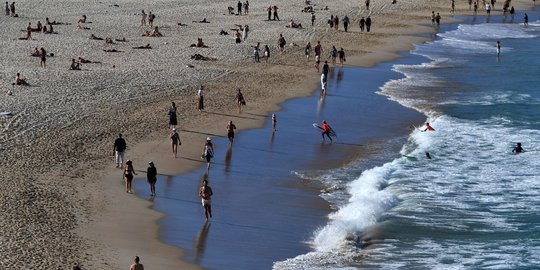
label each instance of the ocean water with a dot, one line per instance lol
(475, 204)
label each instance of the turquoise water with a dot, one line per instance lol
(474, 205)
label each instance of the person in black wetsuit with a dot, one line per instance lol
(518, 149)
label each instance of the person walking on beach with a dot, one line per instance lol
(518, 149)
(323, 84)
(175, 141)
(7, 9)
(256, 54)
(208, 152)
(246, 7)
(367, 4)
(151, 177)
(143, 19)
(333, 54)
(526, 20)
(239, 7)
(230, 131)
(362, 24)
(281, 42)
(269, 9)
(118, 150)
(12, 9)
(453, 6)
(433, 18)
(200, 98)
(325, 68)
(312, 18)
(326, 131)
(274, 122)
(428, 128)
(498, 46)
(276, 17)
(173, 120)
(205, 192)
(266, 53)
(136, 265)
(341, 55)
(129, 171)
(368, 24)
(240, 101)
(307, 50)
(346, 22)
(438, 19)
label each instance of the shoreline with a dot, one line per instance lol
(72, 118)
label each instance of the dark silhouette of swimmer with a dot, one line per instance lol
(428, 156)
(518, 149)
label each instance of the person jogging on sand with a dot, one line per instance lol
(205, 192)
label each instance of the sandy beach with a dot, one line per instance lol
(64, 202)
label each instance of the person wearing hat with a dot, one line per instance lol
(129, 171)
(151, 177)
(208, 152)
(175, 141)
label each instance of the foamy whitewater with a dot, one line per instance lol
(475, 204)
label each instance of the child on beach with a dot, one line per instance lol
(230, 131)
(205, 192)
(240, 101)
(266, 53)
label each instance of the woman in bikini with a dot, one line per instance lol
(128, 175)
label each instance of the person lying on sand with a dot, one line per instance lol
(74, 65)
(55, 22)
(92, 36)
(83, 27)
(84, 61)
(147, 46)
(19, 80)
(109, 41)
(121, 39)
(112, 50)
(201, 21)
(153, 33)
(199, 44)
(292, 24)
(181, 24)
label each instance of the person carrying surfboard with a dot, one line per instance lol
(326, 130)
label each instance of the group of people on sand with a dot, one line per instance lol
(147, 18)
(273, 10)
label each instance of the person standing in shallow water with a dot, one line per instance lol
(274, 122)
(151, 177)
(205, 192)
(498, 46)
(518, 149)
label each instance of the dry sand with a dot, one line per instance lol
(63, 202)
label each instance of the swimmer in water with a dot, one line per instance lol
(518, 149)
(498, 48)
